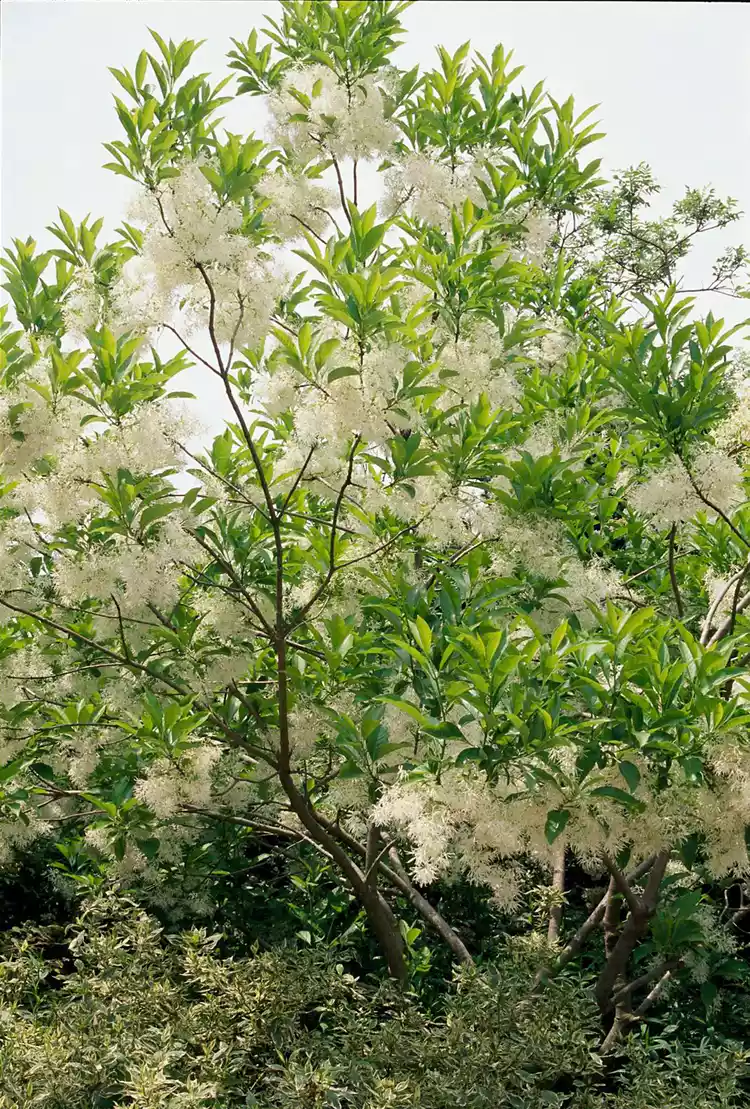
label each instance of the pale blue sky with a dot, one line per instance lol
(672, 79)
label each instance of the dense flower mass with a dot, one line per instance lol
(186, 234)
(676, 493)
(316, 112)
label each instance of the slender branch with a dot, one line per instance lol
(233, 400)
(712, 504)
(332, 544)
(308, 228)
(558, 885)
(397, 876)
(382, 547)
(621, 882)
(726, 625)
(232, 574)
(123, 640)
(706, 631)
(342, 194)
(320, 520)
(262, 826)
(672, 574)
(577, 941)
(296, 482)
(612, 919)
(224, 480)
(130, 664)
(189, 349)
(741, 914)
(655, 994)
(644, 979)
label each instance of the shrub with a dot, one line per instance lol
(113, 1013)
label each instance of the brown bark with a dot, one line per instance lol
(395, 874)
(611, 920)
(558, 885)
(577, 941)
(429, 913)
(623, 1015)
(633, 930)
(379, 913)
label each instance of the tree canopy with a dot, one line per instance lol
(457, 599)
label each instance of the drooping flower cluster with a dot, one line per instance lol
(365, 402)
(486, 829)
(478, 364)
(676, 493)
(733, 433)
(84, 304)
(32, 430)
(170, 785)
(191, 241)
(428, 188)
(297, 204)
(540, 548)
(147, 441)
(339, 120)
(139, 574)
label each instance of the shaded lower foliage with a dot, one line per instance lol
(143, 1020)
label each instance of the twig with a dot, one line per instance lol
(672, 574)
(342, 194)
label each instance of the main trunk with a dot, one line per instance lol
(379, 913)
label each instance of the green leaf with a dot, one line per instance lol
(410, 709)
(631, 774)
(155, 512)
(555, 824)
(709, 993)
(616, 794)
(422, 633)
(693, 768)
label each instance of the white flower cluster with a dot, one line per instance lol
(585, 582)
(483, 828)
(82, 757)
(46, 431)
(529, 545)
(296, 203)
(444, 514)
(734, 432)
(540, 548)
(539, 230)
(189, 236)
(306, 724)
(225, 617)
(17, 547)
(424, 186)
(16, 835)
(669, 497)
(478, 364)
(83, 305)
(555, 345)
(223, 670)
(133, 860)
(346, 123)
(326, 416)
(720, 593)
(144, 442)
(135, 573)
(168, 785)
